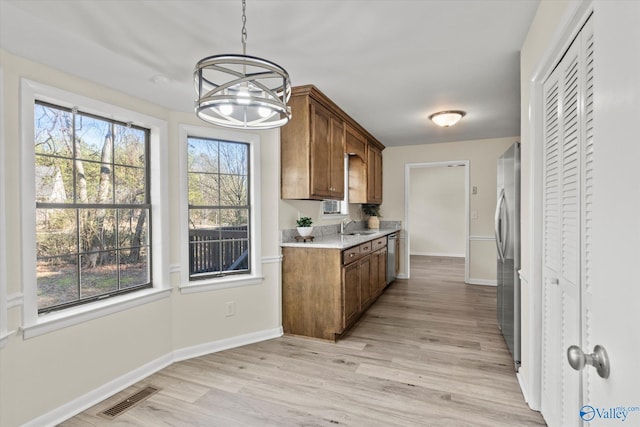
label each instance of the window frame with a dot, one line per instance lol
(35, 324)
(113, 205)
(254, 275)
(219, 207)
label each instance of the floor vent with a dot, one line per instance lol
(129, 402)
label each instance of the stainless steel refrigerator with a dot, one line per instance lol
(507, 230)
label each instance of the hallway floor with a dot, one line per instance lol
(427, 353)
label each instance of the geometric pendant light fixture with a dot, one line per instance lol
(242, 91)
(447, 118)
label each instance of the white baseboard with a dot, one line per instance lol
(74, 407)
(523, 386)
(99, 394)
(438, 254)
(225, 344)
(482, 282)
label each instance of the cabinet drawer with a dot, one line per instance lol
(350, 255)
(379, 243)
(365, 248)
(357, 252)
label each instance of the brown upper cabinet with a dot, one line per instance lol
(357, 151)
(374, 175)
(313, 145)
(356, 143)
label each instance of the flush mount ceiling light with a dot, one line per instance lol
(241, 91)
(447, 118)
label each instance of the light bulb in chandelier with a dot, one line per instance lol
(226, 109)
(244, 97)
(264, 112)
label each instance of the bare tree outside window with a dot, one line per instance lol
(218, 177)
(92, 204)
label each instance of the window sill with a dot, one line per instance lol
(72, 316)
(216, 284)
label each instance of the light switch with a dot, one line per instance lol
(474, 214)
(474, 190)
(230, 308)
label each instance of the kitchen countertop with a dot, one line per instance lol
(341, 241)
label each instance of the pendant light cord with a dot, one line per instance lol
(244, 27)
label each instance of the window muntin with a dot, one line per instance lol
(219, 208)
(93, 210)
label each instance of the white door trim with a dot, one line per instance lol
(407, 220)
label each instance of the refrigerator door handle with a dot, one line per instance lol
(498, 226)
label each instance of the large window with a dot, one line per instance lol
(93, 210)
(219, 208)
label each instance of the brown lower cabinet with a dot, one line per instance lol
(324, 291)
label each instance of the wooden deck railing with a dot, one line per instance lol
(218, 249)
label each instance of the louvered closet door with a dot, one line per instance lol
(551, 251)
(564, 213)
(587, 343)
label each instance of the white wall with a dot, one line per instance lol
(91, 360)
(3, 249)
(482, 156)
(437, 211)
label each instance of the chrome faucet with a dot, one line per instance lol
(344, 226)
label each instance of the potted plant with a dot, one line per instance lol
(303, 225)
(373, 211)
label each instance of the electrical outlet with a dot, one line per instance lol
(230, 308)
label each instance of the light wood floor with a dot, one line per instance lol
(427, 353)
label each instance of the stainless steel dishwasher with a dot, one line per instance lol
(391, 257)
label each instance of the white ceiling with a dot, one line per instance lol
(388, 63)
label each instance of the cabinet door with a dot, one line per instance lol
(350, 293)
(336, 167)
(356, 148)
(365, 280)
(395, 273)
(320, 152)
(371, 286)
(378, 176)
(374, 175)
(356, 143)
(382, 269)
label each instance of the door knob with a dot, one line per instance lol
(598, 359)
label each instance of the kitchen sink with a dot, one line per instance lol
(359, 233)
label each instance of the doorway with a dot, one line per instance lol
(437, 210)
